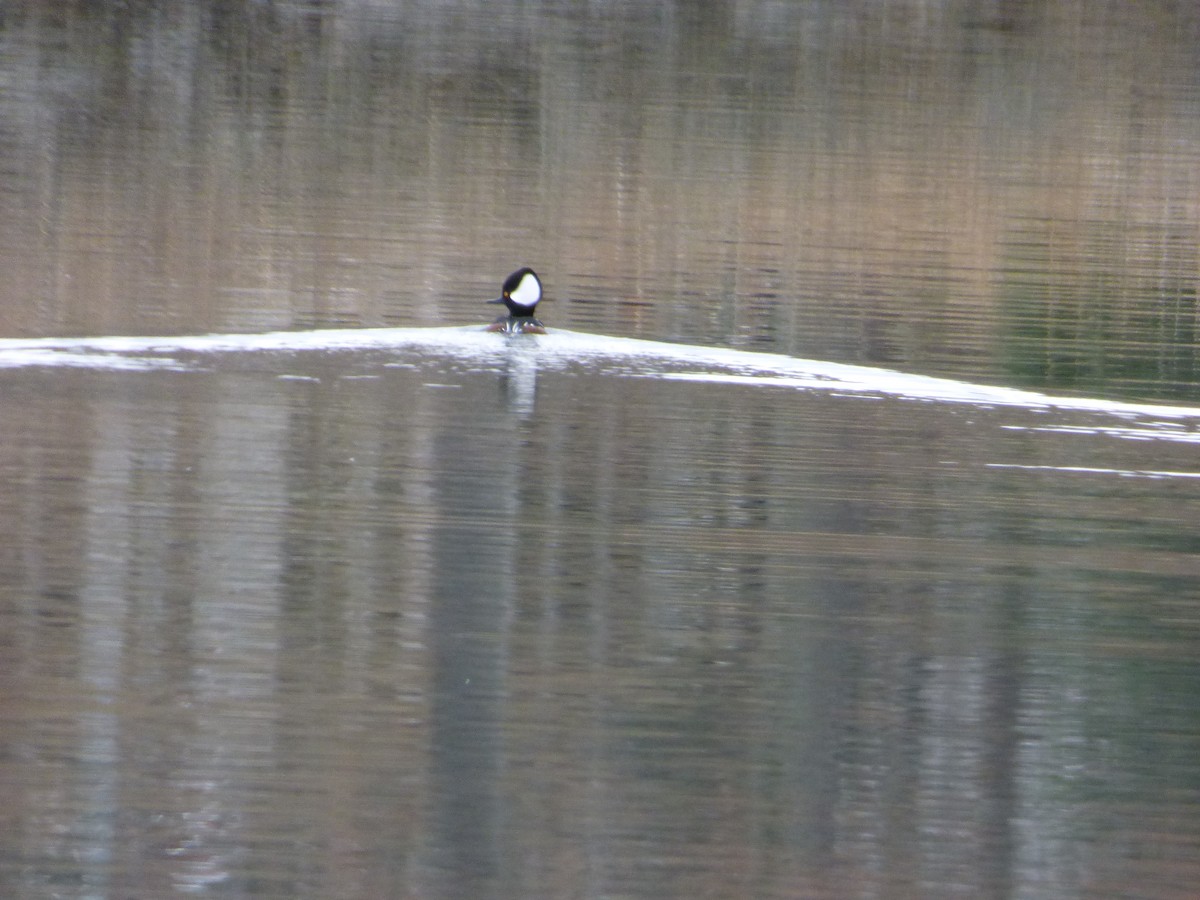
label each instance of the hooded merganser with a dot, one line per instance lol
(521, 292)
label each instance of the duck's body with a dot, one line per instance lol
(521, 293)
(517, 325)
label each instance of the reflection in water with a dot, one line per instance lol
(470, 608)
(977, 193)
(518, 380)
(317, 609)
(350, 618)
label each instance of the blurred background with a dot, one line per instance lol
(999, 189)
(450, 618)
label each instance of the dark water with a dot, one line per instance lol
(440, 615)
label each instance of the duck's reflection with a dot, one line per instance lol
(518, 378)
(473, 598)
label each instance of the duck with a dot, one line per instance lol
(520, 293)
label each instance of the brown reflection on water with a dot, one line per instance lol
(1005, 191)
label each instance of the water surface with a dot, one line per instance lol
(310, 588)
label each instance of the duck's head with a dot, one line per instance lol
(521, 292)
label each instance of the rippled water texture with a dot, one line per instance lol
(839, 540)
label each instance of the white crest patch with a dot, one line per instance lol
(528, 292)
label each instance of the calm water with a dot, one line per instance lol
(407, 610)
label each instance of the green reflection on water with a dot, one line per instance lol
(1118, 317)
